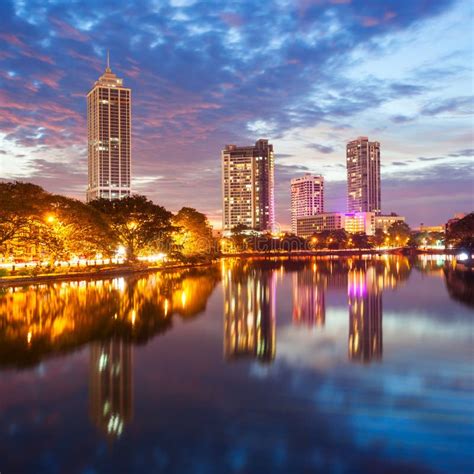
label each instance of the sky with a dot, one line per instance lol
(309, 75)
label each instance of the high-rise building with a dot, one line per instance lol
(307, 197)
(109, 138)
(248, 186)
(363, 176)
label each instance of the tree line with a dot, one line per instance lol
(44, 226)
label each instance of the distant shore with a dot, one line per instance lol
(94, 273)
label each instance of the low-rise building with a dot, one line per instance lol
(357, 222)
(353, 222)
(384, 222)
(308, 225)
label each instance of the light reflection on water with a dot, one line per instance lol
(340, 365)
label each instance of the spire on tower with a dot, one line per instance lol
(108, 61)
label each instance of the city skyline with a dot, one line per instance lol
(192, 98)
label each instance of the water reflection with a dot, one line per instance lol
(111, 386)
(327, 411)
(57, 318)
(249, 311)
(309, 307)
(365, 315)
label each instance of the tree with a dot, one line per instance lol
(461, 232)
(137, 224)
(239, 237)
(35, 223)
(337, 239)
(360, 241)
(378, 239)
(399, 233)
(19, 202)
(193, 234)
(71, 227)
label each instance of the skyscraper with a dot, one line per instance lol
(307, 197)
(248, 186)
(109, 138)
(363, 176)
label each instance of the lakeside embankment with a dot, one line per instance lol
(94, 273)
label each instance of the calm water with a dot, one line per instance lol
(310, 365)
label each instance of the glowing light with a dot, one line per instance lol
(462, 257)
(121, 251)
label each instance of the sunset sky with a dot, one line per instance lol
(309, 75)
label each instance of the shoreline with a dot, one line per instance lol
(97, 274)
(14, 281)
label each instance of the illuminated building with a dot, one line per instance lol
(359, 222)
(109, 138)
(365, 315)
(248, 186)
(308, 298)
(111, 386)
(363, 176)
(351, 222)
(384, 222)
(249, 315)
(431, 228)
(307, 197)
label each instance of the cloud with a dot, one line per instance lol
(455, 105)
(203, 75)
(321, 148)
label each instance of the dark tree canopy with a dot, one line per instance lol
(461, 232)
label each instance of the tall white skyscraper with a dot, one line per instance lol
(109, 138)
(248, 186)
(363, 176)
(307, 197)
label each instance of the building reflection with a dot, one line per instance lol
(249, 312)
(365, 315)
(111, 386)
(308, 292)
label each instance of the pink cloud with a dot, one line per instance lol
(369, 21)
(389, 15)
(232, 19)
(67, 31)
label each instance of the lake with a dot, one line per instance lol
(344, 365)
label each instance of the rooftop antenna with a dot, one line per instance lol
(108, 60)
